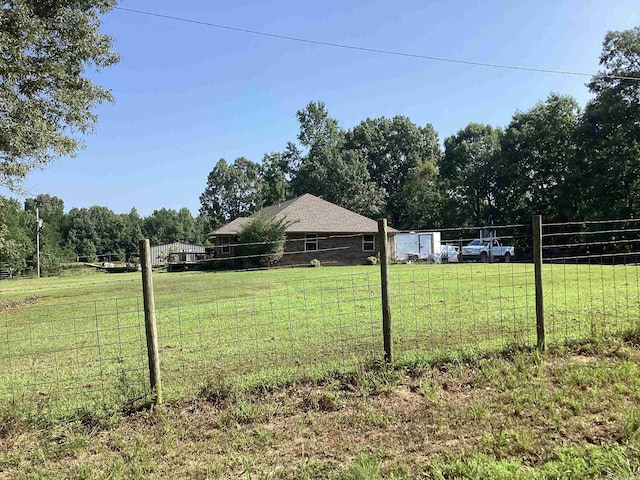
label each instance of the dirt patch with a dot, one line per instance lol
(10, 305)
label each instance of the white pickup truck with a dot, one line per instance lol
(485, 250)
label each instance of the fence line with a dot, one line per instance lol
(265, 327)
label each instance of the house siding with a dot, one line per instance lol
(333, 249)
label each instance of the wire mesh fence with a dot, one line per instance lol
(264, 327)
(486, 303)
(64, 358)
(592, 283)
(272, 332)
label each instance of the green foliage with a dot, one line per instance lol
(315, 262)
(275, 171)
(232, 191)
(395, 168)
(14, 235)
(372, 260)
(421, 202)
(393, 149)
(537, 162)
(263, 240)
(390, 167)
(609, 159)
(46, 97)
(329, 168)
(86, 232)
(168, 225)
(469, 172)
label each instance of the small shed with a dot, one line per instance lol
(166, 253)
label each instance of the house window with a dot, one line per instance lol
(368, 243)
(226, 247)
(310, 242)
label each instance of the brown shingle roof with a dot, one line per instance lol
(310, 214)
(232, 227)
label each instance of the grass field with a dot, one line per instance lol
(74, 344)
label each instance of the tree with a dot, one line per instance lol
(537, 161)
(275, 175)
(608, 169)
(620, 58)
(80, 234)
(131, 234)
(329, 169)
(108, 228)
(17, 229)
(420, 202)
(469, 173)
(203, 228)
(232, 191)
(167, 225)
(392, 149)
(162, 227)
(263, 240)
(46, 100)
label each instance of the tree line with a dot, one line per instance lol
(88, 233)
(556, 159)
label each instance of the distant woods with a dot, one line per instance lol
(88, 233)
(556, 159)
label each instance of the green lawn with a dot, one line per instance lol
(78, 342)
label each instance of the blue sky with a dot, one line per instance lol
(188, 95)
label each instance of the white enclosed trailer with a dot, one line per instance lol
(417, 246)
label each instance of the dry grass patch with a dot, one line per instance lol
(10, 305)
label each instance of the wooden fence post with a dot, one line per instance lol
(537, 262)
(150, 322)
(384, 284)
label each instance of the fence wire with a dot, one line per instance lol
(276, 331)
(448, 309)
(592, 285)
(275, 326)
(73, 357)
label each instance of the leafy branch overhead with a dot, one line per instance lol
(46, 98)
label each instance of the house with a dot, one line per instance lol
(317, 229)
(166, 253)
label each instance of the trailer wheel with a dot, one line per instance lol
(484, 258)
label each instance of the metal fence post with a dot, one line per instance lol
(150, 322)
(384, 284)
(537, 262)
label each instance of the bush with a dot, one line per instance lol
(315, 262)
(372, 260)
(263, 240)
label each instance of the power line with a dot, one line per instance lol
(367, 49)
